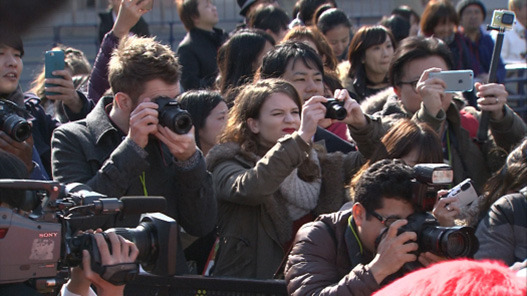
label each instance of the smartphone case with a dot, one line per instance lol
(53, 60)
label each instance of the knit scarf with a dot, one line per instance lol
(301, 196)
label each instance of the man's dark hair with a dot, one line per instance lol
(417, 47)
(406, 12)
(386, 178)
(275, 61)
(187, 10)
(398, 25)
(269, 17)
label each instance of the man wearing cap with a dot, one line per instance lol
(472, 13)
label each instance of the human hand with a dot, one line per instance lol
(355, 116)
(428, 258)
(445, 210)
(517, 266)
(393, 251)
(492, 97)
(182, 147)
(143, 122)
(123, 251)
(22, 150)
(313, 112)
(65, 90)
(129, 14)
(432, 91)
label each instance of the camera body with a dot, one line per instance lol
(172, 116)
(503, 19)
(450, 242)
(430, 178)
(465, 193)
(13, 121)
(335, 109)
(46, 240)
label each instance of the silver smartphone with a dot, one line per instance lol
(457, 80)
(465, 193)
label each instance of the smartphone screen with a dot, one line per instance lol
(53, 60)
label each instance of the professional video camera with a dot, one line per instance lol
(36, 247)
(450, 242)
(13, 120)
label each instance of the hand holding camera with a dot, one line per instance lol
(394, 249)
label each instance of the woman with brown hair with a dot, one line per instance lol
(370, 54)
(269, 177)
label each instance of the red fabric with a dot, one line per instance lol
(340, 129)
(470, 123)
(461, 277)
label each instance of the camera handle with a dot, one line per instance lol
(482, 135)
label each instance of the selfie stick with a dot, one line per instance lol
(482, 135)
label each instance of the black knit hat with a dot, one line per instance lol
(464, 3)
(244, 5)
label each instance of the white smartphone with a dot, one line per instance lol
(458, 80)
(465, 193)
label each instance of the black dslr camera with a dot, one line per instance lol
(13, 121)
(335, 109)
(38, 247)
(172, 116)
(450, 242)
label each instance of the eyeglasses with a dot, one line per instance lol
(412, 84)
(385, 221)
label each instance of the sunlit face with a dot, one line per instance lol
(370, 228)
(412, 71)
(377, 58)
(279, 115)
(444, 30)
(208, 15)
(10, 69)
(339, 39)
(307, 81)
(472, 17)
(214, 124)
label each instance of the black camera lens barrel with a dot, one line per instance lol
(17, 127)
(172, 116)
(335, 109)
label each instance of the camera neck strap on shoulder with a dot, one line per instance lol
(350, 224)
(142, 178)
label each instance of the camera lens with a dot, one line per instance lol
(145, 240)
(451, 242)
(507, 18)
(335, 109)
(172, 116)
(17, 127)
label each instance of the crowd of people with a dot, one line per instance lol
(300, 163)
